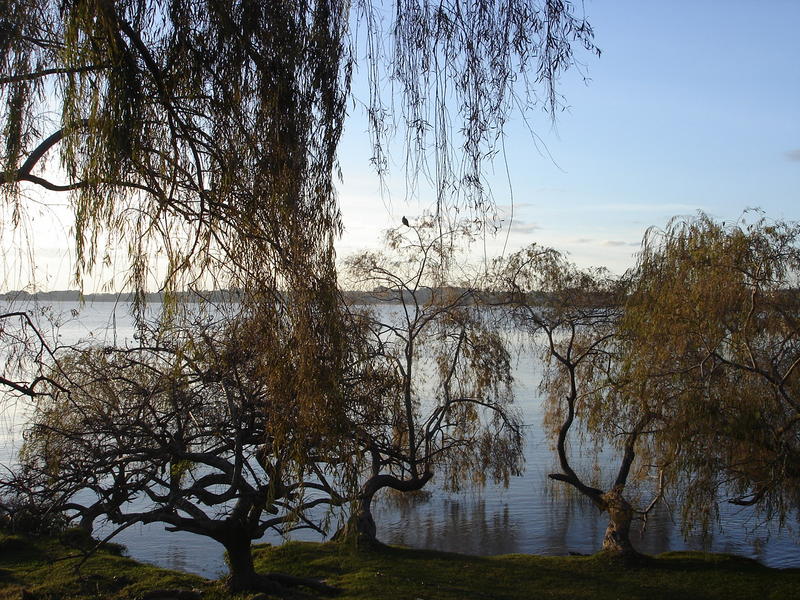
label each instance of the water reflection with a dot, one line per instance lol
(450, 525)
(506, 522)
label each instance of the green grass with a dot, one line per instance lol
(406, 574)
(39, 566)
(43, 567)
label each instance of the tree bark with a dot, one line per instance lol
(243, 576)
(617, 539)
(360, 527)
(361, 523)
(240, 563)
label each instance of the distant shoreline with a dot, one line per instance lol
(352, 297)
(124, 297)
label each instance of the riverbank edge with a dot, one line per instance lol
(45, 569)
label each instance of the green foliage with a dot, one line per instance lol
(208, 131)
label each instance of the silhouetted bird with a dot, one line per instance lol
(405, 222)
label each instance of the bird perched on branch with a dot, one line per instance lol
(405, 222)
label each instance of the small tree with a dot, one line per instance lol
(440, 369)
(573, 316)
(196, 428)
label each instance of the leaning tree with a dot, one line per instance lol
(573, 316)
(687, 367)
(193, 428)
(436, 369)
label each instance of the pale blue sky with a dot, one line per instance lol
(692, 105)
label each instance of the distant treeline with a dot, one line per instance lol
(127, 297)
(376, 296)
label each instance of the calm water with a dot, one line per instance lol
(532, 515)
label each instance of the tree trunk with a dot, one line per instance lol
(360, 527)
(240, 563)
(243, 576)
(617, 540)
(362, 520)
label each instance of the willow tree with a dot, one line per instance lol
(202, 136)
(189, 428)
(209, 130)
(687, 367)
(712, 319)
(437, 368)
(573, 317)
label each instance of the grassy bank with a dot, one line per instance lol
(43, 568)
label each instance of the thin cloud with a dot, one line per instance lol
(549, 190)
(524, 228)
(506, 208)
(636, 207)
(793, 155)
(619, 243)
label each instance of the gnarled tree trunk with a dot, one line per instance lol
(243, 577)
(361, 525)
(242, 574)
(617, 540)
(361, 522)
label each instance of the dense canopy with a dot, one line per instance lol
(713, 334)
